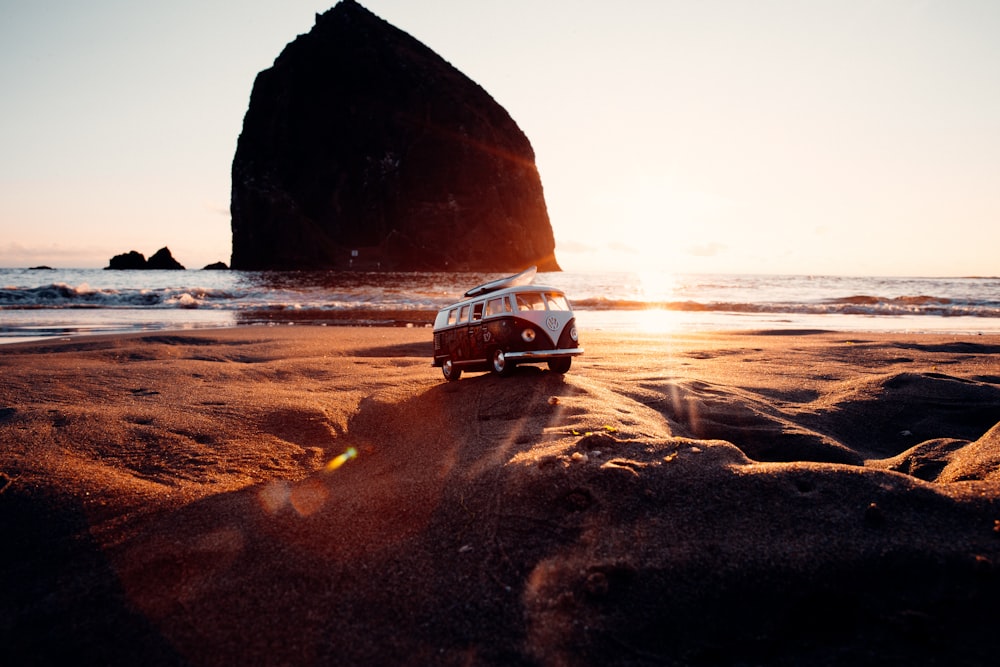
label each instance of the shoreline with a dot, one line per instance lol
(778, 496)
(653, 322)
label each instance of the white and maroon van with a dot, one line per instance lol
(503, 323)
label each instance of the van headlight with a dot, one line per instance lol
(528, 335)
(572, 334)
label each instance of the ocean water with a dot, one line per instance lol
(37, 303)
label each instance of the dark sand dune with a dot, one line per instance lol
(712, 499)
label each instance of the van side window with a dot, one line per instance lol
(556, 301)
(464, 317)
(497, 306)
(477, 312)
(452, 316)
(530, 301)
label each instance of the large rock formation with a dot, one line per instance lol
(363, 148)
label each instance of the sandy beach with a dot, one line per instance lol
(320, 495)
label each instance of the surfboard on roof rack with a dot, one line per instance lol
(517, 280)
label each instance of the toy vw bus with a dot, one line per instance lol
(503, 323)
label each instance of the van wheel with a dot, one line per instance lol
(501, 366)
(560, 365)
(450, 371)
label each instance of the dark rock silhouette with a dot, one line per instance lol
(133, 260)
(363, 148)
(162, 259)
(128, 261)
(216, 266)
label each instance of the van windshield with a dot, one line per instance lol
(556, 301)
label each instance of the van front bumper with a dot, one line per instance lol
(543, 354)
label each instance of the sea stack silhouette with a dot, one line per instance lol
(161, 260)
(362, 148)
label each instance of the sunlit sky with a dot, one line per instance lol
(778, 136)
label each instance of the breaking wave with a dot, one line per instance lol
(429, 292)
(853, 305)
(62, 295)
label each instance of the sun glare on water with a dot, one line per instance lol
(656, 288)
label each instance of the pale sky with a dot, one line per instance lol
(840, 137)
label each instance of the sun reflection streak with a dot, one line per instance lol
(657, 320)
(657, 287)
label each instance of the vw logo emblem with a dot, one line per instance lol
(552, 323)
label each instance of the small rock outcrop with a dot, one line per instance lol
(134, 260)
(129, 261)
(362, 148)
(163, 260)
(216, 266)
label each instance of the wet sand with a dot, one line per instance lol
(320, 495)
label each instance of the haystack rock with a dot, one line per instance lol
(362, 148)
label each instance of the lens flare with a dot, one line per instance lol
(341, 460)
